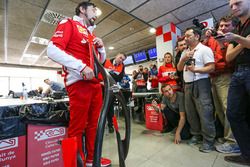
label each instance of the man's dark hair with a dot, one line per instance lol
(196, 31)
(123, 54)
(83, 5)
(179, 39)
(164, 86)
(229, 18)
(216, 27)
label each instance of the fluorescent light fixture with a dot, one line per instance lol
(111, 48)
(152, 30)
(52, 17)
(30, 56)
(39, 40)
(98, 12)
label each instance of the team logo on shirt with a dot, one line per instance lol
(83, 41)
(82, 30)
(58, 34)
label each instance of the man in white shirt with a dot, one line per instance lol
(196, 63)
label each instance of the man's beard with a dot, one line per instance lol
(92, 21)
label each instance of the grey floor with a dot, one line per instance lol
(153, 149)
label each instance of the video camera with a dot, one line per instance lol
(201, 26)
(190, 61)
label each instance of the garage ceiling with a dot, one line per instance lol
(27, 25)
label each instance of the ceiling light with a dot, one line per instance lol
(52, 17)
(30, 56)
(111, 48)
(152, 30)
(41, 41)
(98, 12)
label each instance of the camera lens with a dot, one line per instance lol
(214, 33)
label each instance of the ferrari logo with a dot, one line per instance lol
(83, 41)
(82, 30)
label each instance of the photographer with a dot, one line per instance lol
(239, 90)
(153, 77)
(172, 106)
(197, 62)
(220, 80)
(140, 79)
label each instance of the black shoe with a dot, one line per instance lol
(167, 129)
(79, 160)
(238, 159)
(206, 148)
(196, 139)
(111, 130)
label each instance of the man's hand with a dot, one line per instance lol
(154, 103)
(87, 73)
(191, 68)
(208, 33)
(231, 36)
(155, 106)
(188, 55)
(98, 42)
(177, 138)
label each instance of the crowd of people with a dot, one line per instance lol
(210, 73)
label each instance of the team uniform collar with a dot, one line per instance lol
(80, 20)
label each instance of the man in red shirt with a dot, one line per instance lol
(153, 77)
(71, 46)
(116, 69)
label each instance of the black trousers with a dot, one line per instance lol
(173, 121)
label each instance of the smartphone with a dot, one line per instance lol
(219, 37)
